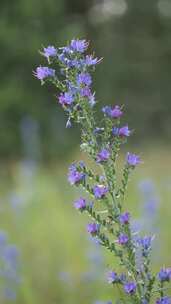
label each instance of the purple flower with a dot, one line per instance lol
(145, 242)
(80, 204)
(164, 274)
(50, 51)
(79, 46)
(130, 288)
(112, 277)
(43, 72)
(89, 60)
(164, 300)
(9, 293)
(124, 131)
(115, 131)
(74, 176)
(103, 155)
(100, 191)
(123, 239)
(124, 218)
(93, 228)
(85, 92)
(84, 79)
(133, 159)
(66, 99)
(114, 112)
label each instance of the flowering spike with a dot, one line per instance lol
(102, 141)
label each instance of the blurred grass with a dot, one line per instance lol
(51, 235)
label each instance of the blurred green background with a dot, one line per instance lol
(36, 148)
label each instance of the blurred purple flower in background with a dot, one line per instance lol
(10, 266)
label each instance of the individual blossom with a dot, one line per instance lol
(133, 159)
(145, 243)
(124, 218)
(164, 300)
(100, 191)
(44, 72)
(103, 155)
(84, 79)
(112, 277)
(80, 204)
(85, 92)
(90, 60)
(123, 239)
(93, 228)
(115, 131)
(130, 288)
(74, 176)
(79, 46)
(50, 51)
(164, 275)
(114, 112)
(124, 132)
(66, 99)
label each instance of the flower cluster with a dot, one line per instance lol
(102, 141)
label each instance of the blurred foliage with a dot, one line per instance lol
(132, 36)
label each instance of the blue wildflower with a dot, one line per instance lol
(124, 218)
(114, 112)
(84, 79)
(80, 204)
(44, 72)
(50, 51)
(133, 159)
(66, 99)
(93, 228)
(85, 92)
(164, 300)
(164, 275)
(9, 293)
(79, 46)
(130, 288)
(90, 60)
(112, 277)
(123, 239)
(100, 191)
(115, 131)
(74, 176)
(103, 155)
(124, 131)
(145, 243)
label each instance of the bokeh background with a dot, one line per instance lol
(52, 259)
